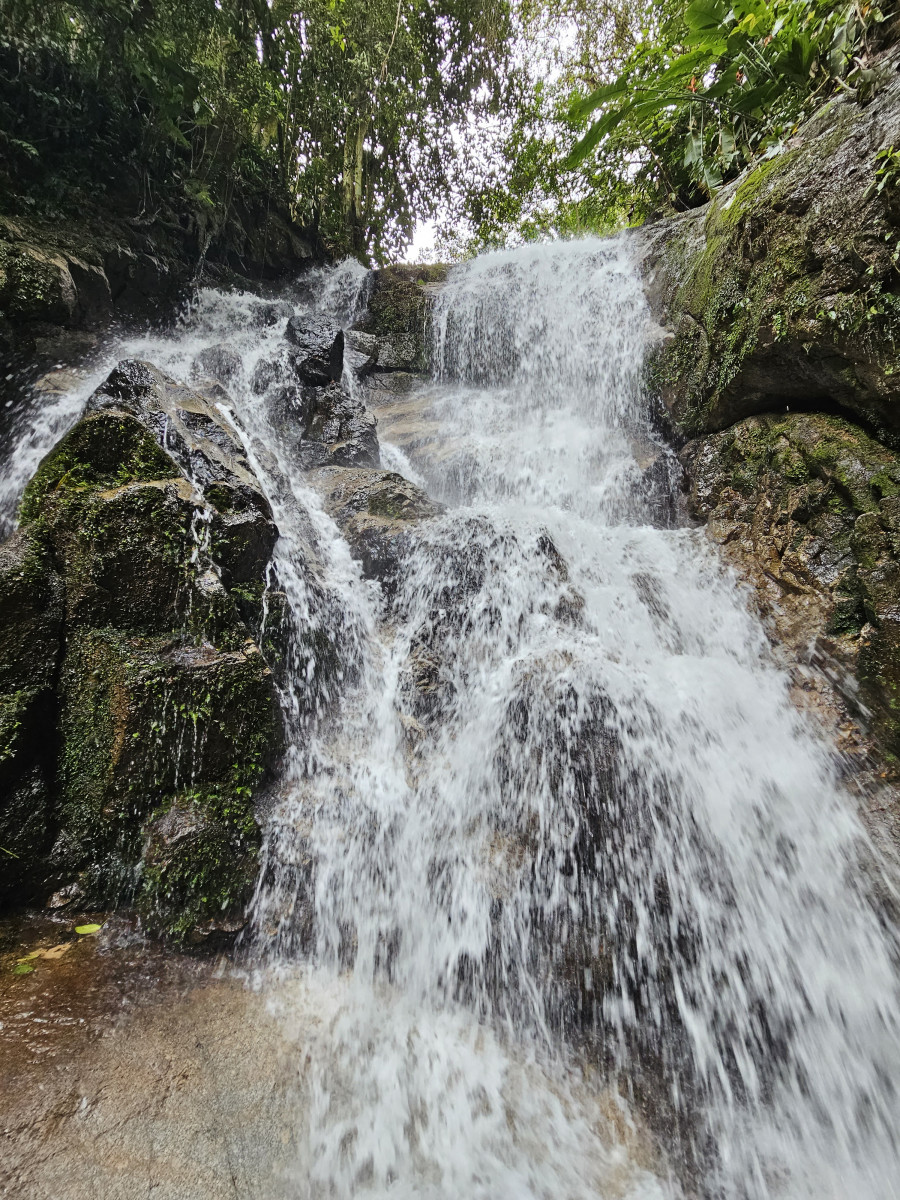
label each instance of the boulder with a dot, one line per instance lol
(782, 290)
(143, 721)
(143, 551)
(360, 353)
(377, 512)
(807, 506)
(219, 363)
(185, 424)
(340, 431)
(266, 313)
(397, 317)
(199, 865)
(317, 350)
(31, 624)
(31, 611)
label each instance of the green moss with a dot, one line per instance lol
(143, 717)
(793, 276)
(200, 862)
(14, 710)
(399, 307)
(105, 449)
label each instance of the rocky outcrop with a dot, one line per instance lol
(807, 506)
(785, 289)
(393, 335)
(62, 281)
(377, 512)
(139, 716)
(780, 368)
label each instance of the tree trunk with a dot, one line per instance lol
(354, 182)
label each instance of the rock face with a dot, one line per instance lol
(394, 328)
(377, 512)
(781, 370)
(57, 276)
(807, 506)
(138, 715)
(784, 288)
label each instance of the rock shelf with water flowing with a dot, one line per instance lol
(547, 888)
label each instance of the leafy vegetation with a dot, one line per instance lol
(503, 121)
(725, 84)
(343, 110)
(628, 108)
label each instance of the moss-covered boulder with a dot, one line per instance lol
(146, 722)
(397, 317)
(31, 622)
(785, 288)
(807, 506)
(138, 717)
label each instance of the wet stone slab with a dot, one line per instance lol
(129, 1071)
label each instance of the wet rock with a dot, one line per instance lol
(340, 432)
(377, 512)
(397, 316)
(31, 610)
(147, 723)
(242, 533)
(360, 353)
(199, 865)
(265, 373)
(808, 507)
(144, 547)
(36, 284)
(781, 290)
(318, 350)
(31, 613)
(266, 313)
(184, 423)
(220, 363)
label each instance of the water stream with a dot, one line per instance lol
(571, 885)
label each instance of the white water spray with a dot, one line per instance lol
(552, 846)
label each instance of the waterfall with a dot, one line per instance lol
(571, 885)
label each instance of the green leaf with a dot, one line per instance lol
(703, 14)
(584, 106)
(84, 929)
(23, 968)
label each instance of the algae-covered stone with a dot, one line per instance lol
(191, 428)
(397, 316)
(782, 290)
(105, 449)
(145, 536)
(30, 637)
(142, 720)
(30, 614)
(200, 863)
(27, 737)
(808, 506)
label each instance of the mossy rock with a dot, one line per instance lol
(200, 863)
(36, 284)
(784, 290)
(398, 313)
(105, 449)
(130, 763)
(377, 512)
(808, 506)
(31, 611)
(142, 719)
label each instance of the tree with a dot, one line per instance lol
(344, 108)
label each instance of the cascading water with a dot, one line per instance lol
(569, 883)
